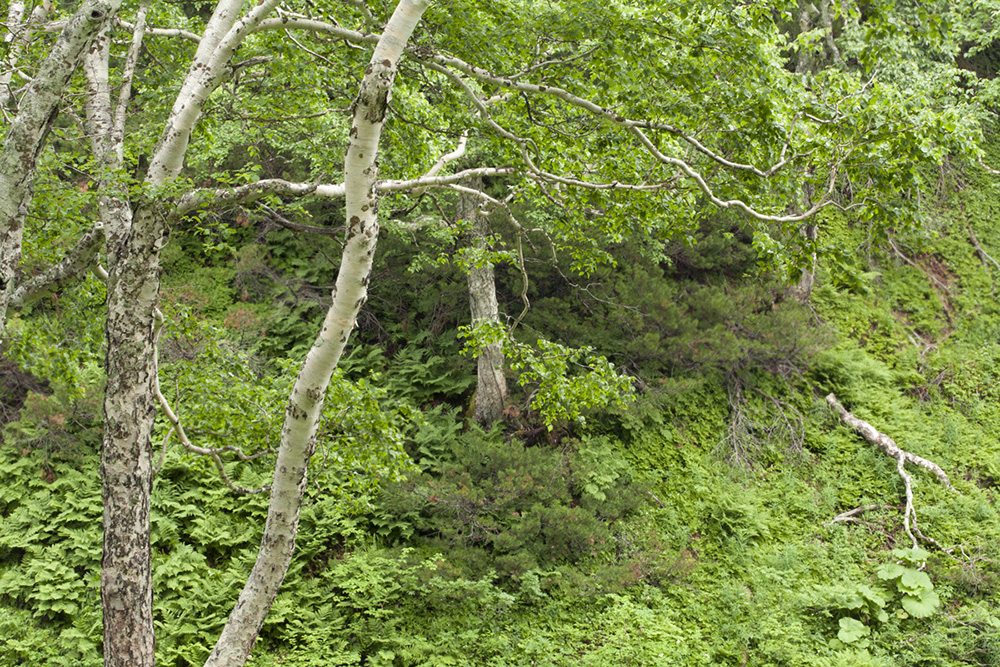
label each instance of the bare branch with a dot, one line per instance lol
(851, 514)
(979, 248)
(440, 181)
(459, 151)
(69, 270)
(178, 428)
(128, 72)
(162, 32)
(297, 227)
(311, 25)
(245, 194)
(889, 446)
(988, 168)
(554, 61)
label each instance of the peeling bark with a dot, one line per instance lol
(298, 436)
(491, 383)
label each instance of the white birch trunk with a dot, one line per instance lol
(221, 38)
(12, 41)
(133, 248)
(17, 39)
(491, 382)
(129, 405)
(26, 135)
(306, 402)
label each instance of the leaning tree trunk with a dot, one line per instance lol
(491, 383)
(298, 435)
(26, 135)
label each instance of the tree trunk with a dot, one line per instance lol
(305, 405)
(804, 289)
(18, 37)
(126, 454)
(26, 135)
(491, 383)
(129, 405)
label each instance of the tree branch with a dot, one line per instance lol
(979, 248)
(889, 446)
(128, 73)
(178, 428)
(245, 194)
(77, 261)
(162, 32)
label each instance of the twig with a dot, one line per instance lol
(178, 428)
(909, 261)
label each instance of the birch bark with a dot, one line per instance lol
(18, 36)
(129, 408)
(491, 383)
(26, 135)
(298, 437)
(134, 242)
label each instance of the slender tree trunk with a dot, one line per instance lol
(491, 383)
(26, 135)
(808, 278)
(18, 37)
(805, 61)
(298, 436)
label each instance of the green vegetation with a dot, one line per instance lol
(691, 526)
(667, 485)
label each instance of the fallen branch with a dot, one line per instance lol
(851, 515)
(979, 248)
(889, 446)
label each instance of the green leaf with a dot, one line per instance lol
(890, 571)
(913, 556)
(923, 605)
(851, 630)
(914, 582)
(871, 596)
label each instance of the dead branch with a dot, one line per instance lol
(889, 446)
(752, 430)
(850, 515)
(909, 261)
(982, 253)
(178, 428)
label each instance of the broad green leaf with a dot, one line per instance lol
(890, 571)
(914, 581)
(851, 630)
(922, 606)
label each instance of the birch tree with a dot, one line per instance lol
(571, 123)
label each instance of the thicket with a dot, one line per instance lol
(693, 527)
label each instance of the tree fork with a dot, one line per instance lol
(26, 136)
